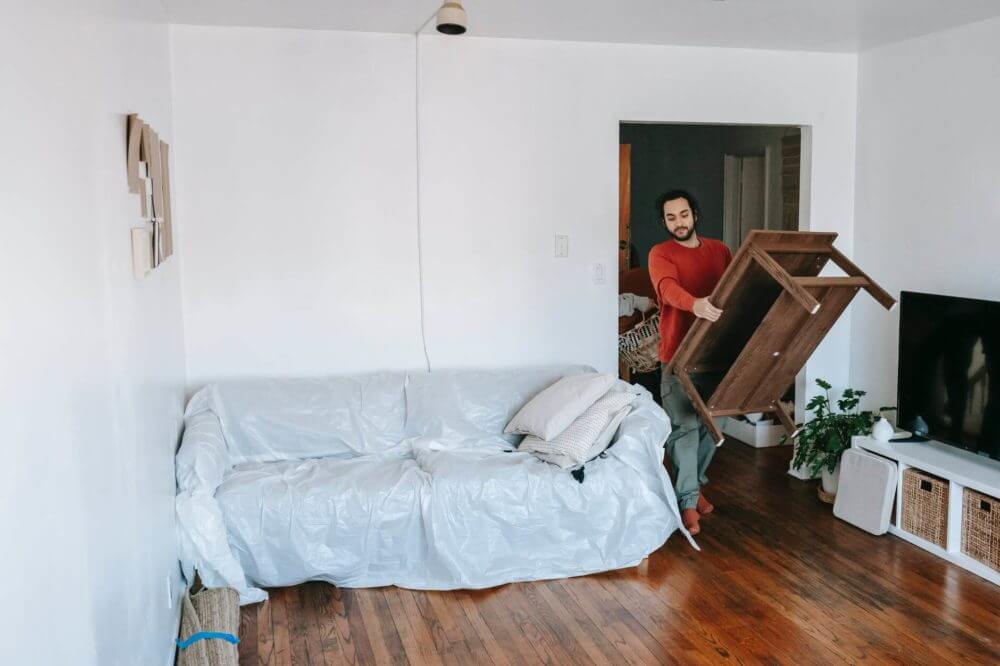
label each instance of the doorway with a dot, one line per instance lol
(745, 177)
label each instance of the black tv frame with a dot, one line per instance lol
(932, 436)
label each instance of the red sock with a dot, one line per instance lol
(690, 519)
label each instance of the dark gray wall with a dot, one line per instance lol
(689, 157)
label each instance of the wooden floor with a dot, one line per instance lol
(779, 580)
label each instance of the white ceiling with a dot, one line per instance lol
(814, 25)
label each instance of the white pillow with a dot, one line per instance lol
(551, 411)
(587, 436)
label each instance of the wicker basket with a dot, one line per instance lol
(981, 528)
(638, 348)
(925, 506)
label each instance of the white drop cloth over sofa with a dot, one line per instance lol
(406, 479)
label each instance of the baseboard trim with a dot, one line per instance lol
(172, 654)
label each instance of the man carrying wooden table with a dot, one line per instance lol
(684, 270)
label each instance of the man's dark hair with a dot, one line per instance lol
(677, 194)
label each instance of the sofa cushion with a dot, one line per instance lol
(498, 517)
(557, 406)
(340, 519)
(287, 419)
(474, 405)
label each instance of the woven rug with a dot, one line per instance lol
(211, 610)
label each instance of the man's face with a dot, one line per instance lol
(679, 218)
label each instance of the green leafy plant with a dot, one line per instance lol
(826, 436)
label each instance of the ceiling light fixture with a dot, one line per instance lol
(451, 18)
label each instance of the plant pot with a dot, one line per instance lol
(829, 480)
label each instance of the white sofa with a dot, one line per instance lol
(406, 479)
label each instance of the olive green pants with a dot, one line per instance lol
(690, 446)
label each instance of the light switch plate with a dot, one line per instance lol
(562, 245)
(599, 272)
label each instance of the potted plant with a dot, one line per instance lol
(824, 438)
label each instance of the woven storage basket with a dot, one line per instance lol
(639, 347)
(215, 610)
(981, 528)
(925, 506)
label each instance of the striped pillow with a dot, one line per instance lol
(587, 436)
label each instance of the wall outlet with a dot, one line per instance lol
(562, 245)
(600, 273)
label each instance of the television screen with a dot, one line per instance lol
(949, 369)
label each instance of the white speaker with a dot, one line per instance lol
(865, 492)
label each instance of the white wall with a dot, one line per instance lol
(928, 201)
(91, 368)
(297, 185)
(296, 181)
(520, 141)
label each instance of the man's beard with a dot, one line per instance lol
(685, 236)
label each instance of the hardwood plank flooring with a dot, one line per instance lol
(779, 581)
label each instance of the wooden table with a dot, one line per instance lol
(776, 311)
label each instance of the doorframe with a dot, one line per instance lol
(805, 217)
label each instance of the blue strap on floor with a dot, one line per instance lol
(202, 635)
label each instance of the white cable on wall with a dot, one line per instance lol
(420, 245)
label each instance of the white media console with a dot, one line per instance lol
(962, 469)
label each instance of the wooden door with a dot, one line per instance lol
(624, 219)
(624, 204)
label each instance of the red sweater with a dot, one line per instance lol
(681, 275)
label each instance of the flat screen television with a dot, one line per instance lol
(949, 369)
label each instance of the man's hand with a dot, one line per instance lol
(705, 310)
